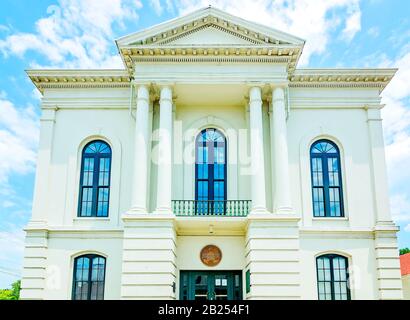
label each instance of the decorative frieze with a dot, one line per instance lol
(342, 78)
(56, 79)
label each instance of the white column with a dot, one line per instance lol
(164, 183)
(257, 153)
(281, 185)
(141, 144)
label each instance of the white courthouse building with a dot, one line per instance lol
(211, 167)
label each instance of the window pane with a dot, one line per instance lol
(102, 210)
(88, 173)
(87, 202)
(81, 276)
(219, 154)
(318, 202)
(202, 154)
(333, 171)
(202, 171)
(334, 202)
(104, 173)
(317, 172)
(219, 171)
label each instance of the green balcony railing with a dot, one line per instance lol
(227, 208)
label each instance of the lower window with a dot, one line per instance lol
(89, 277)
(332, 277)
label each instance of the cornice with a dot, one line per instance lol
(288, 54)
(341, 78)
(55, 79)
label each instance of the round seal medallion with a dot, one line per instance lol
(211, 255)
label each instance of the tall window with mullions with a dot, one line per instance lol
(327, 191)
(95, 180)
(332, 277)
(89, 277)
(210, 173)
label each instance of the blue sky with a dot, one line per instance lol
(80, 34)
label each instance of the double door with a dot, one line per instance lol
(211, 285)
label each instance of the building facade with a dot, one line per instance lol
(211, 167)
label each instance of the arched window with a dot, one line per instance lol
(95, 180)
(332, 277)
(210, 172)
(326, 180)
(89, 277)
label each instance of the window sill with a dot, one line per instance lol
(330, 219)
(92, 219)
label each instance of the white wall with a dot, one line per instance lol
(63, 248)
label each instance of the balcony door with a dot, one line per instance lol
(210, 173)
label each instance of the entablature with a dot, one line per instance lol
(60, 78)
(341, 78)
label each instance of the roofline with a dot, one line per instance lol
(344, 71)
(79, 72)
(199, 14)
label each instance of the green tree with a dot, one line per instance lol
(404, 251)
(13, 293)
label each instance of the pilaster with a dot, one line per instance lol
(388, 263)
(272, 257)
(149, 257)
(33, 282)
(42, 181)
(379, 167)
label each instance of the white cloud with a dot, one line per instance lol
(311, 20)
(353, 22)
(373, 32)
(400, 207)
(19, 131)
(156, 4)
(76, 34)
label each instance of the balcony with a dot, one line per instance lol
(211, 208)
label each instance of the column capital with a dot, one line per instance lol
(145, 91)
(163, 84)
(278, 94)
(258, 84)
(279, 84)
(137, 84)
(166, 94)
(255, 93)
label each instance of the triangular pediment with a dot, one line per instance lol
(208, 26)
(211, 35)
